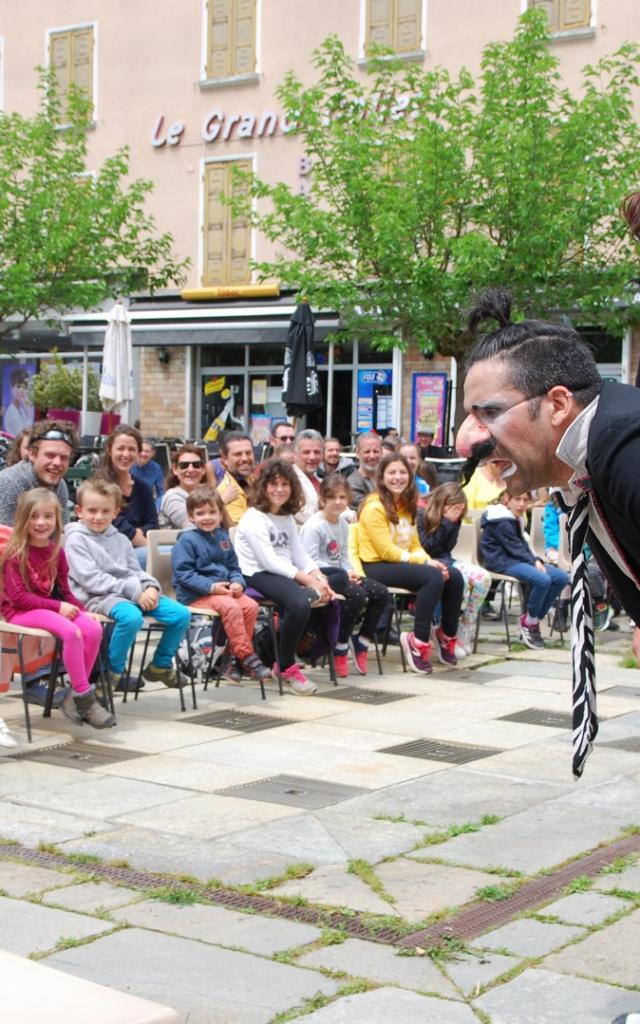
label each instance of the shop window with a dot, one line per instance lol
(396, 24)
(227, 237)
(231, 38)
(566, 15)
(71, 55)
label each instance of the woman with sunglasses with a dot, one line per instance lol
(138, 513)
(187, 471)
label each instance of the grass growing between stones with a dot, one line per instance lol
(292, 871)
(169, 894)
(435, 838)
(620, 864)
(316, 1002)
(364, 871)
(581, 883)
(401, 819)
(496, 893)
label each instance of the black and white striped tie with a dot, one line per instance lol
(585, 719)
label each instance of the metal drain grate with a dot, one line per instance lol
(440, 750)
(294, 791)
(79, 755)
(631, 743)
(238, 721)
(540, 716)
(361, 696)
(621, 691)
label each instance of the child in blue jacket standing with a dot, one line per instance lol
(206, 574)
(505, 550)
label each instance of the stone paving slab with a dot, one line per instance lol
(610, 954)
(104, 796)
(383, 965)
(266, 753)
(33, 825)
(628, 880)
(550, 762)
(528, 937)
(454, 796)
(555, 999)
(208, 816)
(27, 928)
(219, 927)
(91, 897)
(21, 776)
(472, 971)
(22, 879)
(331, 884)
(210, 985)
(366, 838)
(164, 852)
(422, 889)
(390, 1006)
(538, 838)
(169, 770)
(586, 908)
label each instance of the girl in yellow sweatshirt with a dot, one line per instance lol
(391, 553)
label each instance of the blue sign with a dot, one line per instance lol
(374, 405)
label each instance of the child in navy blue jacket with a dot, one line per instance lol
(505, 550)
(206, 574)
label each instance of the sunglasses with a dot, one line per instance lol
(190, 465)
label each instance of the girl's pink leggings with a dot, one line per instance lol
(80, 637)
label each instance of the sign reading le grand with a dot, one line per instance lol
(222, 127)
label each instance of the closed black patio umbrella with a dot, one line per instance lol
(300, 384)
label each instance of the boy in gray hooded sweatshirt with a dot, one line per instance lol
(106, 576)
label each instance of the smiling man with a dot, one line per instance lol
(238, 459)
(51, 448)
(537, 405)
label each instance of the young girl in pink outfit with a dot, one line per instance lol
(36, 594)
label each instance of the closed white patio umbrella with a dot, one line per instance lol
(116, 382)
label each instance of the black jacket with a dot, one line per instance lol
(613, 463)
(442, 541)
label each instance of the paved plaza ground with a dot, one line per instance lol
(421, 853)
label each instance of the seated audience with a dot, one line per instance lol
(187, 471)
(237, 457)
(105, 574)
(326, 539)
(332, 461)
(52, 445)
(276, 565)
(391, 553)
(368, 454)
(206, 575)
(149, 471)
(308, 452)
(505, 549)
(137, 514)
(438, 528)
(36, 594)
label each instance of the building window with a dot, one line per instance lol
(71, 54)
(566, 15)
(227, 237)
(231, 38)
(395, 24)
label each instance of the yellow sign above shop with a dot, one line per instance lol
(235, 291)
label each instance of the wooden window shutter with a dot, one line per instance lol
(82, 59)
(574, 14)
(244, 37)
(60, 58)
(408, 29)
(219, 28)
(552, 8)
(215, 226)
(227, 237)
(380, 17)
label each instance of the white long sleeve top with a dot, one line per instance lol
(268, 543)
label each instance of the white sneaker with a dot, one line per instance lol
(7, 739)
(460, 651)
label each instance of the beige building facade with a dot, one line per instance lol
(190, 88)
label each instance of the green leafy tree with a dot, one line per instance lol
(70, 238)
(426, 188)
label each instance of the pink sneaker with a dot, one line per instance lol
(341, 664)
(417, 652)
(360, 655)
(446, 648)
(296, 682)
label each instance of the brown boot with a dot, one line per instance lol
(92, 712)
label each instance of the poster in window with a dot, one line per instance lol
(17, 406)
(429, 405)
